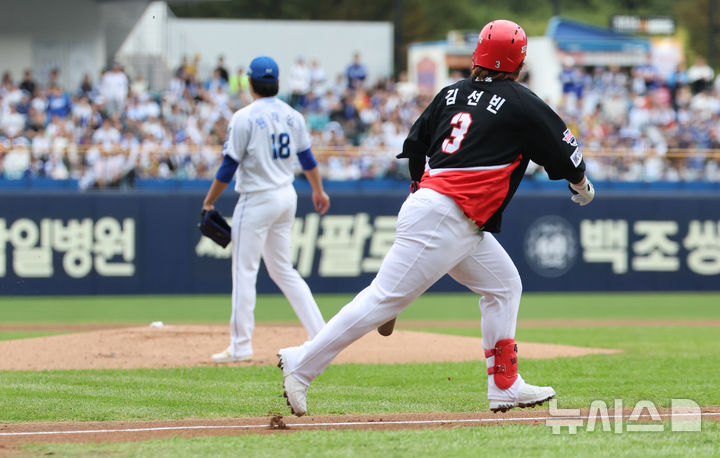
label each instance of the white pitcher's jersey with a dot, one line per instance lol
(264, 138)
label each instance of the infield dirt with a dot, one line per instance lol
(12, 435)
(192, 345)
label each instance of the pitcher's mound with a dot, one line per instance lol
(192, 345)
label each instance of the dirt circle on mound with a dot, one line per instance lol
(192, 345)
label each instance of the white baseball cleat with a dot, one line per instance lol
(294, 390)
(527, 396)
(227, 357)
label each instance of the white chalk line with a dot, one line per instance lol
(341, 423)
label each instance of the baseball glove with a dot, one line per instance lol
(213, 225)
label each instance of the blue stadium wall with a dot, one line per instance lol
(65, 242)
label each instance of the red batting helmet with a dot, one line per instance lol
(501, 46)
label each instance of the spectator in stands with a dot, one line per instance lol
(82, 112)
(106, 135)
(239, 82)
(36, 119)
(222, 70)
(133, 111)
(567, 75)
(139, 86)
(676, 81)
(55, 127)
(299, 80)
(12, 122)
(180, 70)
(17, 162)
(189, 121)
(191, 69)
(54, 77)
(114, 89)
(7, 83)
(23, 105)
(192, 89)
(149, 108)
(356, 73)
(216, 82)
(573, 81)
(40, 143)
(407, 91)
(645, 79)
(176, 88)
(175, 118)
(28, 84)
(340, 84)
(10, 91)
(700, 75)
(58, 103)
(218, 95)
(87, 88)
(317, 77)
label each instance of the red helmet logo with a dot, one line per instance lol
(501, 45)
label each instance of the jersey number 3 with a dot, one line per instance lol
(281, 148)
(461, 123)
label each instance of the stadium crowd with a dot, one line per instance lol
(110, 131)
(647, 128)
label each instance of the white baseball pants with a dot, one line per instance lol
(433, 238)
(261, 227)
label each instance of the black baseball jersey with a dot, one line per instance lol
(479, 137)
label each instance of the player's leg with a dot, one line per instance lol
(249, 230)
(432, 236)
(489, 272)
(276, 255)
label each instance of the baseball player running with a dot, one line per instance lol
(478, 135)
(262, 140)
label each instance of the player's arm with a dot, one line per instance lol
(416, 152)
(417, 144)
(554, 147)
(220, 182)
(236, 141)
(320, 199)
(583, 191)
(551, 144)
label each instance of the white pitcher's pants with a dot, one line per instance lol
(433, 238)
(261, 226)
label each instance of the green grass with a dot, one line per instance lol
(11, 335)
(658, 364)
(653, 367)
(514, 440)
(460, 306)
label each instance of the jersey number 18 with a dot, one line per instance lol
(281, 147)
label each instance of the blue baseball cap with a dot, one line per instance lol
(263, 68)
